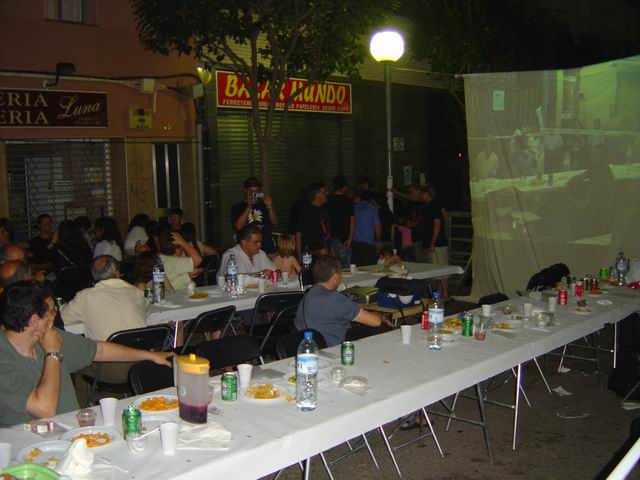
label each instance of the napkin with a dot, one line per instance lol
(167, 304)
(78, 464)
(209, 436)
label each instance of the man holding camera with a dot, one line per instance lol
(257, 209)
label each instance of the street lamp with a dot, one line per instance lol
(387, 47)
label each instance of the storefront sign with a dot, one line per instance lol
(327, 97)
(52, 108)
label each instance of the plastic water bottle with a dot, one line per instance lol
(232, 277)
(436, 317)
(157, 280)
(307, 374)
(621, 268)
(306, 258)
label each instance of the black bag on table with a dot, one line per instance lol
(390, 291)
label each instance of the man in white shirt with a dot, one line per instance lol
(249, 254)
(112, 305)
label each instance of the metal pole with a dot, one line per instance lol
(387, 96)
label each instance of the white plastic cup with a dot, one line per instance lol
(285, 278)
(406, 334)
(169, 437)
(353, 268)
(5, 455)
(244, 374)
(528, 309)
(221, 282)
(486, 310)
(262, 285)
(108, 408)
(553, 301)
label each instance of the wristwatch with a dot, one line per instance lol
(57, 355)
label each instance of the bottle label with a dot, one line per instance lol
(306, 259)
(307, 364)
(232, 269)
(436, 315)
(158, 277)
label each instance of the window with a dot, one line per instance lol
(75, 11)
(166, 169)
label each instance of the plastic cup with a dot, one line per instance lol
(406, 334)
(86, 418)
(480, 334)
(220, 281)
(169, 437)
(553, 301)
(528, 308)
(486, 310)
(262, 285)
(353, 268)
(108, 408)
(285, 278)
(244, 374)
(5, 455)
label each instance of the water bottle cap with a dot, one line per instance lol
(436, 294)
(308, 335)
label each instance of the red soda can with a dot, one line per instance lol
(425, 320)
(274, 276)
(579, 288)
(563, 297)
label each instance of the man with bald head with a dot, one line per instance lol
(13, 271)
(108, 307)
(12, 252)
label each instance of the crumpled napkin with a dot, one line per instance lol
(78, 464)
(208, 436)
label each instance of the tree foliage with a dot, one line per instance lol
(307, 38)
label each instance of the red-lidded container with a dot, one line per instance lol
(425, 320)
(579, 288)
(563, 297)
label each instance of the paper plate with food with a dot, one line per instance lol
(450, 335)
(48, 454)
(198, 297)
(580, 310)
(157, 403)
(264, 393)
(98, 437)
(597, 292)
(503, 325)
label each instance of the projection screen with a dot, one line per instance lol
(554, 171)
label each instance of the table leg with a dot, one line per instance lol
(175, 335)
(307, 468)
(516, 405)
(615, 344)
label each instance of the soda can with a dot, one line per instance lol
(563, 297)
(274, 275)
(595, 283)
(229, 387)
(148, 294)
(467, 325)
(348, 353)
(579, 288)
(587, 283)
(59, 301)
(131, 420)
(425, 320)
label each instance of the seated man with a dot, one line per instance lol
(180, 259)
(326, 310)
(249, 254)
(112, 305)
(36, 359)
(12, 252)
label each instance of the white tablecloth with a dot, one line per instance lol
(402, 378)
(188, 308)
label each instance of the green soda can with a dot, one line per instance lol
(348, 353)
(604, 273)
(131, 420)
(467, 325)
(229, 387)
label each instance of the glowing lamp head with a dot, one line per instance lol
(386, 46)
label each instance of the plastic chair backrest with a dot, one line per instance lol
(156, 338)
(493, 299)
(287, 345)
(273, 302)
(210, 321)
(230, 351)
(70, 280)
(146, 376)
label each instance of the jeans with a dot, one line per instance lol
(342, 254)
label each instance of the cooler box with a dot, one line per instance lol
(392, 300)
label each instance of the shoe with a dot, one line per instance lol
(412, 425)
(630, 405)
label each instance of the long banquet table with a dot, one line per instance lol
(184, 308)
(403, 378)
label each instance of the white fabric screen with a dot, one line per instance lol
(555, 170)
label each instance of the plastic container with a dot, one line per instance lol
(193, 388)
(31, 472)
(307, 374)
(436, 317)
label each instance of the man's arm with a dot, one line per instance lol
(352, 228)
(189, 249)
(436, 231)
(378, 232)
(299, 246)
(113, 352)
(268, 201)
(43, 400)
(243, 218)
(366, 317)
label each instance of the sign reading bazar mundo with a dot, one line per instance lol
(326, 97)
(52, 108)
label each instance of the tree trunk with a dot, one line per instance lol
(265, 160)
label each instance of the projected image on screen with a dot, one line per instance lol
(555, 169)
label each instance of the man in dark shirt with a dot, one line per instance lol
(40, 246)
(341, 220)
(313, 229)
(257, 208)
(434, 240)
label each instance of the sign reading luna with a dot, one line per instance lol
(327, 97)
(52, 108)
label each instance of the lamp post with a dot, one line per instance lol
(387, 46)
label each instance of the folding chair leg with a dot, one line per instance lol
(453, 407)
(526, 399)
(326, 466)
(433, 433)
(544, 379)
(564, 350)
(516, 407)
(483, 419)
(373, 457)
(393, 457)
(307, 468)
